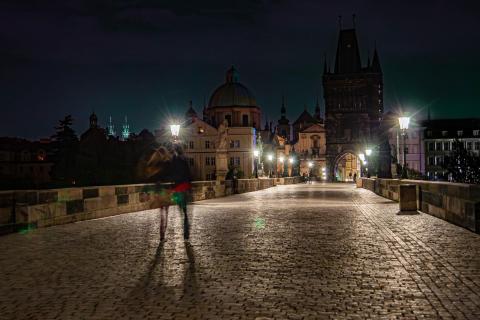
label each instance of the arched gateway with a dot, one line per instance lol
(347, 167)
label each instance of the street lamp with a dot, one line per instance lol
(310, 166)
(404, 122)
(368, 153)
(270, 159)
(175, 130)
(291, 160)
(362, 157)
(256, 153)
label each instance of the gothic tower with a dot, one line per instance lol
(283, 122)
(353, 102)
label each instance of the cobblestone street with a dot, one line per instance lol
(321, 251)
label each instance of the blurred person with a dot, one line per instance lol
(181, 178)
(158, 170)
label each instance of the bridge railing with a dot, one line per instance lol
(41, 208)
(457, 203)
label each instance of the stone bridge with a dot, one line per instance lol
(320, 251)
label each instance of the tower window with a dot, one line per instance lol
(228, 117)
(245, 120)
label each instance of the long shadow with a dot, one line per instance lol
(190, 283)
(138, 299)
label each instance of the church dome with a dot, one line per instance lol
(232, 93)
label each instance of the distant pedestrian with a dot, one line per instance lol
(181, 177)
(235, 180)
(158, 169)
(355, 177)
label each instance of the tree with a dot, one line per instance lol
(462, 166)
(65, 145)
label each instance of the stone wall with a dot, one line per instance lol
(457, 203)
(42, 208)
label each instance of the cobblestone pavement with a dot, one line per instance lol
(323, 251)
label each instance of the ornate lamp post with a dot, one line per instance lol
(175, 130)
(256, 153)
(404, 122)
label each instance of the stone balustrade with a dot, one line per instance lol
(457, 203)
(42, 208)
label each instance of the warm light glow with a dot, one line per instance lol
(291, 160)
(310, 164)
(365, 162)
(256, 153)
(362, 157)
(368, 152)
(281, 159)
(270, 157)
(324, 169)
(175, 129)
(404, 122)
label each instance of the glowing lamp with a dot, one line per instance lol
(291, 160)
(175, 129)
(368, 152)
(362, 157)
(404, 122)
(270, 157)
(256, 153)
(310, 164)
(281, 159)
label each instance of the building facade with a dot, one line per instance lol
(311, 150)
(25, 163)
(440, 134)
(232, 108)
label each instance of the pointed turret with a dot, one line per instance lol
(347, 59)
(232, 75)
(125, 130)
(191, 113)
(111, 128)
(283, 110)
(93, 121)
(376, 62)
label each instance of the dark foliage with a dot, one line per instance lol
(462, 165)
(65, 151)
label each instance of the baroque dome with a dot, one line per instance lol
(232, 93)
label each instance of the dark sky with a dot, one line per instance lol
(146, 59)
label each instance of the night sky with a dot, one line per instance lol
(146, 59)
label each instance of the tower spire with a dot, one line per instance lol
(125, 129)
(376, 61)
(283, 110)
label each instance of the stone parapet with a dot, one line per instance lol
(42, 208)
(457, 203)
